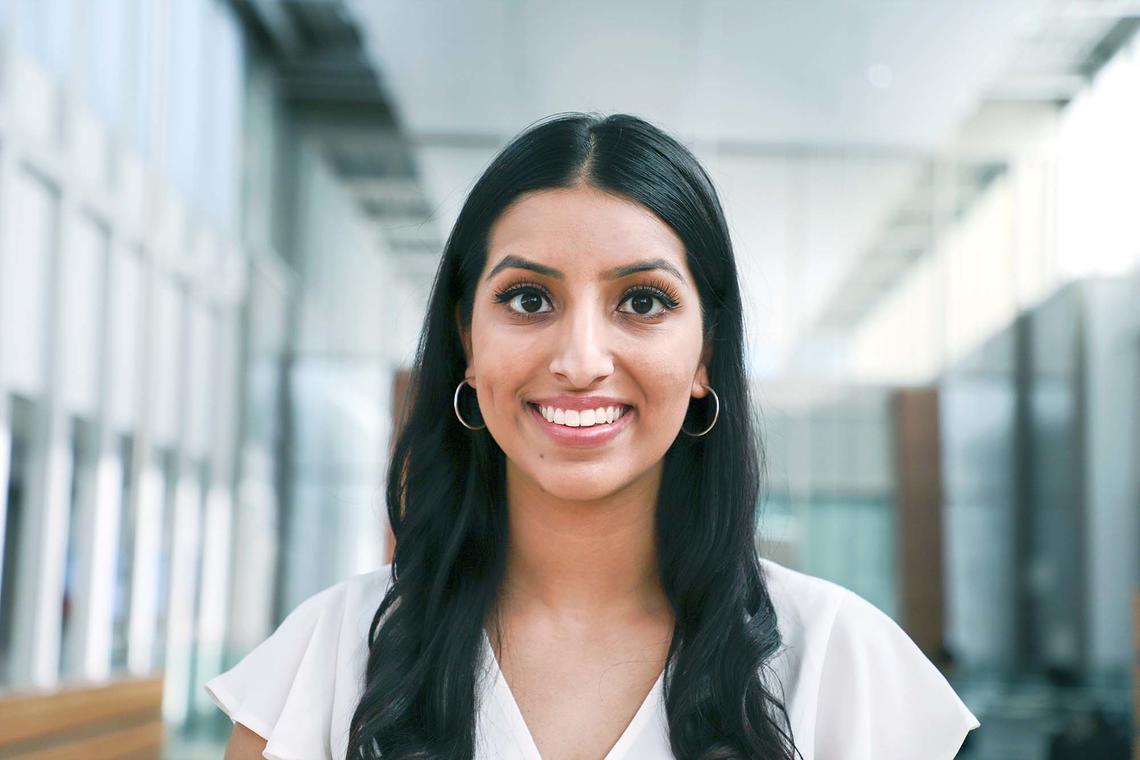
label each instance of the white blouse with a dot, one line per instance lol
(855, 686)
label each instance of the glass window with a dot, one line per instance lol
(125, 559)
(169, 464)
(21, 417)
(80, 499)
(196, 655)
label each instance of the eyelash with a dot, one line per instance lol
(668, 297)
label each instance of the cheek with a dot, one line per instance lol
(505, 361)
(491, 342)
(665, 383)
(661, 364)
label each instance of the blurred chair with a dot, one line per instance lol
(121, 719)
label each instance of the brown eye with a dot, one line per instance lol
(641, 303)
(523, 300)
(641, 299)
(530, 301)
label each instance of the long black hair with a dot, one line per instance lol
(446, 484)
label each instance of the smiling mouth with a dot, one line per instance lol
(575, 419)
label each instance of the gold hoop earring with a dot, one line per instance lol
(716, 414)
(455, 404)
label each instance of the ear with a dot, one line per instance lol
(465, 339)
(701, 380)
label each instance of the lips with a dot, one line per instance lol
(582, 436)
(619, 411)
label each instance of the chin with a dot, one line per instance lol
(579, 487)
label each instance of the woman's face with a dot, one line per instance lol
(580, 333)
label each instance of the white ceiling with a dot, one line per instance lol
(811, 115)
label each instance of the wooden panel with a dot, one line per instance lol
(120, 719)
(918, 466)
(132, 743)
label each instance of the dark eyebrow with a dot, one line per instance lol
(643, 266)
(616, 273)
(518, 262)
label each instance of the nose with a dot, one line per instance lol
(582, 353)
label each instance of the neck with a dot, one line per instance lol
(574, 560)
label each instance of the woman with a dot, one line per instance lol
(588, 518)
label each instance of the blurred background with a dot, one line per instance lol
(219, 222)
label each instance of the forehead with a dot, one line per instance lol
(582, 229)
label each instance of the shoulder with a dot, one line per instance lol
(806, 606)
(350, 605)
(357, 593)
(815, 611)
(856, 684)
(297, 689)
(352, 601)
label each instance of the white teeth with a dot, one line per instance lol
(583, 418)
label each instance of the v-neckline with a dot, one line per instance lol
(521, 730)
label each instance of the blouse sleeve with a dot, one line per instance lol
(283, 689)
(880, 698)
